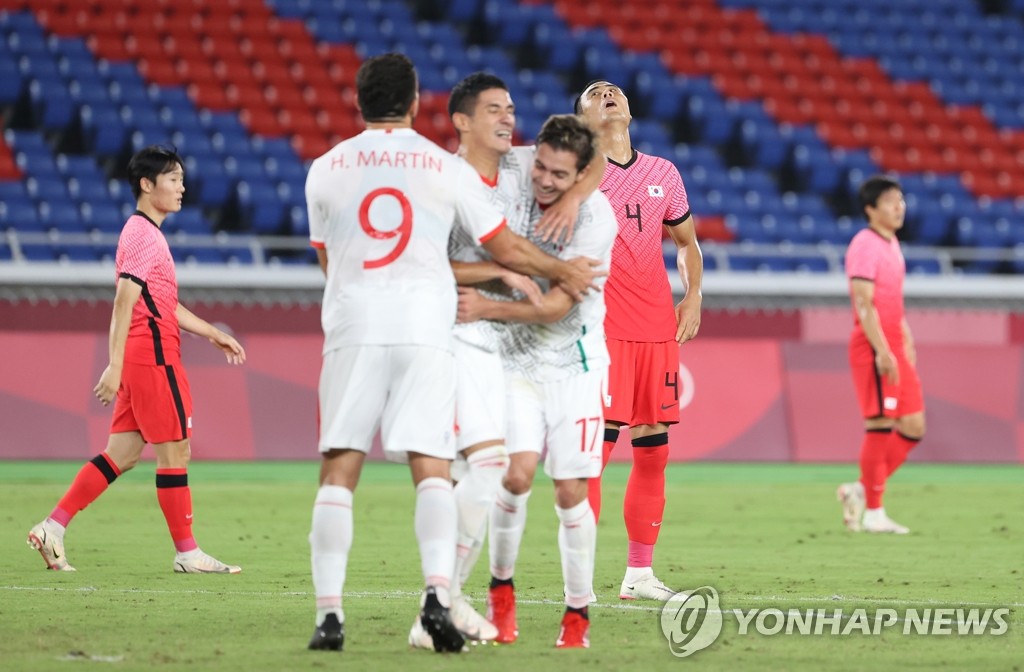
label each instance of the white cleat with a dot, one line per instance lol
(197, 562)
(851, 496)
(470, 623)
(419, 638)
(647, 587)
(883, 524)
(50, 545)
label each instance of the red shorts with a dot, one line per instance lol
(879, 398)
(643, 383)
(155, 401)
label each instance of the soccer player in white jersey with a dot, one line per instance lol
(555, 362)
(483, 114)
(381, 208)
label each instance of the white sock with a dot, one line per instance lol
(871, 515)
(474, 496)
(637, 573)
(330, 541)
(436, 532)
(508, 520)
(577, 540)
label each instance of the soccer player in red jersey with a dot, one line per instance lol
(145, 378)
(882, 357)
(643, 328)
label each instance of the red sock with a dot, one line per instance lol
(873, 465)
(898, 449)
(175, 499)
(594, 485)
(92, 479)
(645, 491)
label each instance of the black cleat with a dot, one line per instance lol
(329, 635)
(438, 623)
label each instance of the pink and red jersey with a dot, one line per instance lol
(872, 257)
(144, 258)
(645, 193)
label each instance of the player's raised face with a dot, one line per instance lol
(602, 102)
(888, 214)
(554, 171)
(492, 122)
(166, 194)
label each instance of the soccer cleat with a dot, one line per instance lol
(883, 524)
(50, 545)
(418, 637)
(329, 635)
(501, 611)
(851, 496)
(470, 623)
(575, 632)
(647, 587)
(197, 562)
(437, 621)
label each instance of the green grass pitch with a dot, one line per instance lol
(763, 536)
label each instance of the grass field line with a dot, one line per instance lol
(774, 600)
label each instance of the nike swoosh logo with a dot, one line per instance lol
(55, 553)
(657, 524)
(630, 587)
(605, 191)
(665, 407)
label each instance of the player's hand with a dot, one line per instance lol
(578, 277)
(911, 352)
(110, 381)
(227, 344)
(687, 319)
(526, 285)
(558, 221)
(888, 367)
(470, 305)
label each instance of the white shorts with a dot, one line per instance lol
(567, 415)
(479, 396)
(406, 391)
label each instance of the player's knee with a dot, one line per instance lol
(912, 426)
(571, 492)
(516, 481)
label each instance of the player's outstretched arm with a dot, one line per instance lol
(226, 343)
(690, 263)
(474, 306)
(125, 297)
(469, 273)
(521, 255)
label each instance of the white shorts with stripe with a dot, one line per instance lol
(406, 391)
(479, 396)
(565, 415)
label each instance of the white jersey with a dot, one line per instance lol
(575, 344)
(383, 205)
(510, 193)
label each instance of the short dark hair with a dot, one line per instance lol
(386, 86)
(464, 94)
(577, 106)
(150, 162)
(570, 133)
(873, 187)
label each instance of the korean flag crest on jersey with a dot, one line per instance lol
(655, 191)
